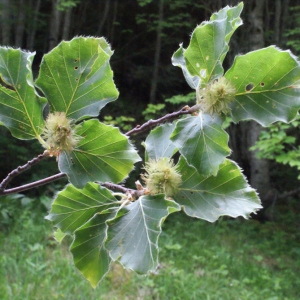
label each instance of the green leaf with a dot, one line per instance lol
(202, 141)
(208, 198)
(73, 207)
(89, 254)
(178, 60)
(202, 61)
(158, 143)
(267, 84)
(59, 235)
(103, 154)
(76, 77)
(133, 237)
(20, 106)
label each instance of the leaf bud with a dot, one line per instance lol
(162, 177)
(216, 97)
(59, 134)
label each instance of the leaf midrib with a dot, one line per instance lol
(18, 94)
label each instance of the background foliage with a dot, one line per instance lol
(230, 259)
(131, 28)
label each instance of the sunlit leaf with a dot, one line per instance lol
(202, 60)
(133, 237)
(178, 60)
(268, 86)
(158, 143)
(89, 254)
(202, 141)
(208, 198)
(20, 106)
(59, 235)
(103, 154)
(73, 207)
(76, 77)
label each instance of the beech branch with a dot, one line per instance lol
(151, 123)
(289, 193)
(21, 169)
(31, 185)
(134, 193)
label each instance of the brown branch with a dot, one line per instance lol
(114, 187)
(21, 169)
(32, 184)
(288, 194)
(151, 123)
(134, 193)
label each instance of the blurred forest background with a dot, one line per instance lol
(144, 34)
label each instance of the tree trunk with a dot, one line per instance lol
(6, 22)
(103, 18)
(246, 133)
(54, 25)
(285, 21)
(259, 168)
(80, 14)
(112, 31)
(256, 22)
(67, 24)
(157, 52)
(33, 24)
(277, 23)
(20, 24)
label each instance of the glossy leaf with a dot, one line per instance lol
(103, 154)
(208, 198)
(202, 141)
(20, 106)
(89, 254)
(268, 86)
(76, 77)
(158, 143)
(133, 237)
(208, 47)
(178, 60)
(73, 207)
(59, 235)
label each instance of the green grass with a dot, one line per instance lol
(231, 259)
